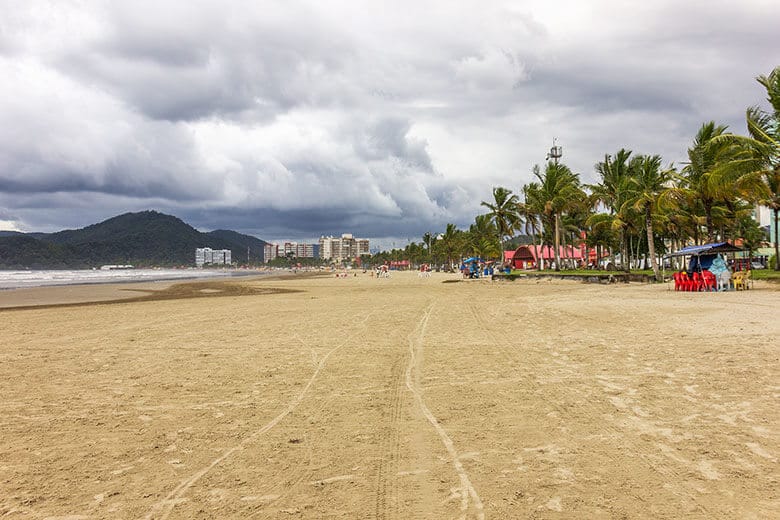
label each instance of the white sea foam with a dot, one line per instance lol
(20, 279)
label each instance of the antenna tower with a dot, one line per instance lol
(556, 152)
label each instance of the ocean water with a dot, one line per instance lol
(20, 279)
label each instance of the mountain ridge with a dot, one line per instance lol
(145, 239)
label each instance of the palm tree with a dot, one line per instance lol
(559, 189)
(429, 239)
(646, 185)
(503, 213)
(755, 168)
(612, 193)
(530, 211)
(449, 243)
(707, 155)
(481, 237)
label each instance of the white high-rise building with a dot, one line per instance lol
(206, 255)
(343, 248)
(270, 252)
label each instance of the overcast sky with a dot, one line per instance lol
(290, 120)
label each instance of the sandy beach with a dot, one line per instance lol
(344, 398)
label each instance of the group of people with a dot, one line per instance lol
(475, 268)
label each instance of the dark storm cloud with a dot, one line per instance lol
(596, 86)
(389, 138)
(300, 119)
(308, 224)
(185, 64)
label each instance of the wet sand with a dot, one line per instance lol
(65, 294)
(394, 398)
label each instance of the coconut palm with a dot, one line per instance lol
(529, 209)
(450, 243)
(481, 237)
(755, 166)
(559, 189)
(612, 193)
(646, 185)
(707, 156)
(503, 213)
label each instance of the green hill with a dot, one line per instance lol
(143, 239)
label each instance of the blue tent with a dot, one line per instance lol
(706, 249)
(704, 255)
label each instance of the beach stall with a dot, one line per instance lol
(707, 268)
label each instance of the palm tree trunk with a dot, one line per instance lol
(557, 244)
(625, 261)
(708, 213)
(776, 211)
(650, 242)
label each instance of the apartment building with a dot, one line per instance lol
(299, 250)
(206, 255)
(343, 248)
(270, 252)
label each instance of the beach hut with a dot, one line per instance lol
(529, 256)
(400, 265)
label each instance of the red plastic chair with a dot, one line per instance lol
(678, 282)
(710, 282)
(697, 282)
(686, 283)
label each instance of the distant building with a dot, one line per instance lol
(206, 255)
(343, 248)
(270, 252)
(300, 250)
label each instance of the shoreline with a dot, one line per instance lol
(167, 276)
(61, 295)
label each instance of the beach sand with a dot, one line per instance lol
(324, 397)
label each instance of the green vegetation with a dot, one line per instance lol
(766, 274)
(639, 210)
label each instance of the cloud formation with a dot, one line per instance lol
(297, 119)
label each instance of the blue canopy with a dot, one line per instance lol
(472, 259)
(706, 249)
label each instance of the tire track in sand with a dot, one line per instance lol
(387, 466)
(164, 507)
(412, 383)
